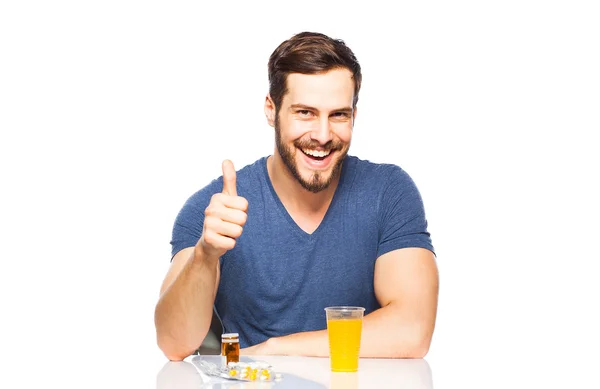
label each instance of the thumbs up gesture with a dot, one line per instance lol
(229, 178)
(224, 217)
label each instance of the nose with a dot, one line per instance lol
(322, 133)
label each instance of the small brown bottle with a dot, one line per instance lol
(230, 348)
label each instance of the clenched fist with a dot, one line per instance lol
(224, 218)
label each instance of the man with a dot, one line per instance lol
(272, 245)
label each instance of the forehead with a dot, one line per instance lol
(331, 90)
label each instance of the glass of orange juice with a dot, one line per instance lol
(344, 327)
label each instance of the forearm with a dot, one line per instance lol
(390, 333)
(184, 310)
(385, 334)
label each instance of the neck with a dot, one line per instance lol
(294, 195)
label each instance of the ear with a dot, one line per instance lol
(354, 111)
(270, 110)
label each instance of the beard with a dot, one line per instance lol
(317, 182)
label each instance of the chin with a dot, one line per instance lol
(308, 182)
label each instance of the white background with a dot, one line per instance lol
(112, 113)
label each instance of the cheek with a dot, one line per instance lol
(344, 133)
(296, 129)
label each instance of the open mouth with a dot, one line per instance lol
(317, 155)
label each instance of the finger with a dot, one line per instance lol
(231, 215)
(229, 179)
(219, 243)
(227, 229)
(235, 202)
(225, 200)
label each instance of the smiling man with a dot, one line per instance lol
(273, 244)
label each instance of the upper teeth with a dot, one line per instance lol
(316, 153)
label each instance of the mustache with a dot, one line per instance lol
(313, 144)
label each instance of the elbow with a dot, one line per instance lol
(419, 346)
(416, 347)
(418, 342)
(174, 346)
(418, 351)
(415, 352)
(173, 351)
(174, 358)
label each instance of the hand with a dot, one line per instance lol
(224, 217)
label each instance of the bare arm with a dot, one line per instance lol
(184, 310)
(406, 286)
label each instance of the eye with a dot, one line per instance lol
(304, 112)
(341, 115)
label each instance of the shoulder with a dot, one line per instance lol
(388, 187)
(199, 200)
(379, 175)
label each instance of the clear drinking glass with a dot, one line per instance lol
(344, 327)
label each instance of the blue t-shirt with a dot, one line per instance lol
(278, 279)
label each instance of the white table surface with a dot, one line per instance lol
(305, 373)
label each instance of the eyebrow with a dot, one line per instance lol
(303, 106)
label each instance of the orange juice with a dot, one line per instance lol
(344, 343)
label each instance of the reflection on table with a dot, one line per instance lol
(303, 372)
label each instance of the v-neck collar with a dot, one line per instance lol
(294, 226)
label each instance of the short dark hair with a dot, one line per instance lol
(309, 53)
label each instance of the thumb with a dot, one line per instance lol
(229, 184)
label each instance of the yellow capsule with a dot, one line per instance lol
(253, 377)
(232, 373)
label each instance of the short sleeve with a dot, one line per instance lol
(189, 222)
(402, 215)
